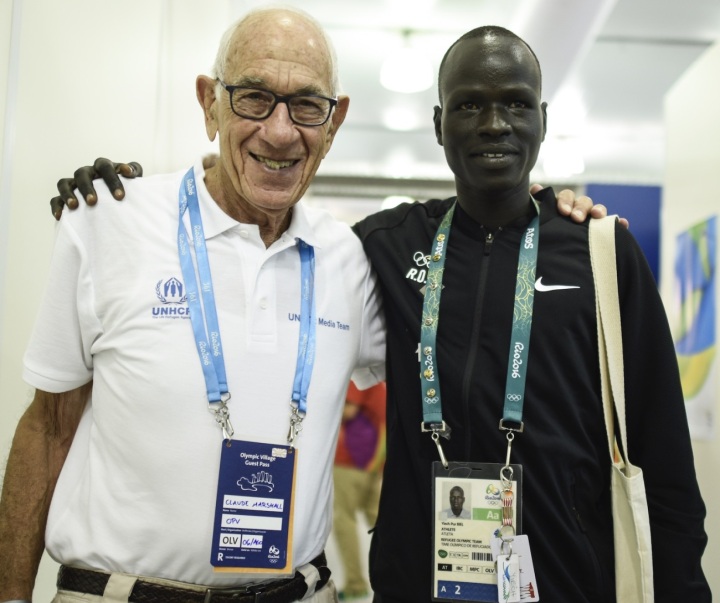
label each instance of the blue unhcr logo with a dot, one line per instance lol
(171, 293)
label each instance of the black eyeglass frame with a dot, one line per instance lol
(279, 98)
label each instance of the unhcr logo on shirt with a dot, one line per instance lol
(171, 292)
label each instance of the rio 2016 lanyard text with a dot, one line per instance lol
(520, 341)
(204, 319)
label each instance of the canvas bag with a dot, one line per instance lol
(631, 522)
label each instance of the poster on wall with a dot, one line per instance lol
(695, 320)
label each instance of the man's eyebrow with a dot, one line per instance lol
(257, 82)
(250, 82)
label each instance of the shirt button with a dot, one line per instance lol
(263, 303)
(244, 234)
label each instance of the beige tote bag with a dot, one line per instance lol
(631, 522)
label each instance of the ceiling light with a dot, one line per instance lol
(403, 6)
(401, 118)
(407, 70)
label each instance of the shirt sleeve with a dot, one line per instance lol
(370, 368)
(58, 357)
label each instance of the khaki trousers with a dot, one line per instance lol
(356, 491)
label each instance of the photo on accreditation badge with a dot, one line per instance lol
(457, 502)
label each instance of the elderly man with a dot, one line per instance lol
(534, 406)
(173, 358)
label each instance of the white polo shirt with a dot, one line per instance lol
(137, 492)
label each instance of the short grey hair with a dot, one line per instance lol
(218, 70)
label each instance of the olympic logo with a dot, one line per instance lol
(434, 400)
(514, 397)
(421, 259)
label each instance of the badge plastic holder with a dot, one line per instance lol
(463, 568)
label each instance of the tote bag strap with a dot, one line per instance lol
(607, 306)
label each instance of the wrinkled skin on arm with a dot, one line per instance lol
(578, 208)
(41, 444)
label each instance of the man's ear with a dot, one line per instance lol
(543, 106)
(336, 119)
(437, 119)
(205, 91)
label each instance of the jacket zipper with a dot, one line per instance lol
(475, 336)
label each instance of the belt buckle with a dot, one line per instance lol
(256, 590)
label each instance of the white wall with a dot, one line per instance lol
(690, 196)
(61, 119)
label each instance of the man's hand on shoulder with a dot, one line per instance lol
(578, 208)
(83, 181)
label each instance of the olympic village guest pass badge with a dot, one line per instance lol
(254, 509)
(471, 562)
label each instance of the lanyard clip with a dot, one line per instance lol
(437, 430)
(222, 415)
(510, 437)
(296, 426)
(441, 429)
(510, 425)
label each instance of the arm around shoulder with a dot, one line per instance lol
(41, 443)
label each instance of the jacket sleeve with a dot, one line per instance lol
(658, 434)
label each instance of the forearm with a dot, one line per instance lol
(39, 449)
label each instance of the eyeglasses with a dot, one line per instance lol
(256, 103)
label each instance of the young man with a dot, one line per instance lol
(454, 327)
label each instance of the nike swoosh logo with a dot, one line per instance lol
(540, 287)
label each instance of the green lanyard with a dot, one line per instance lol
(519, 346)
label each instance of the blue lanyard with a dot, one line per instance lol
(306, 341)
(520, 338)
(204, 318)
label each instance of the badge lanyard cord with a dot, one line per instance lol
(306, 341)
(204, 318)
(511, 421)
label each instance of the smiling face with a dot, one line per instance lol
(491, 122)
(266, 166)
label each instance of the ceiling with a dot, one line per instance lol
(607, 65)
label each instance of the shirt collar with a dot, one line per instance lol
(216, 221)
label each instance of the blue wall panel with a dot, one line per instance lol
(641, 206)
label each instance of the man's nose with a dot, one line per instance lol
(493, 121)
(278, 124)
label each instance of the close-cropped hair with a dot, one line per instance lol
(481, 32)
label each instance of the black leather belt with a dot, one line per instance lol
(278, 591)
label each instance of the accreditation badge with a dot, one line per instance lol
(468, 511)
(252, 529)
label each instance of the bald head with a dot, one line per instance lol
(281, 30)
